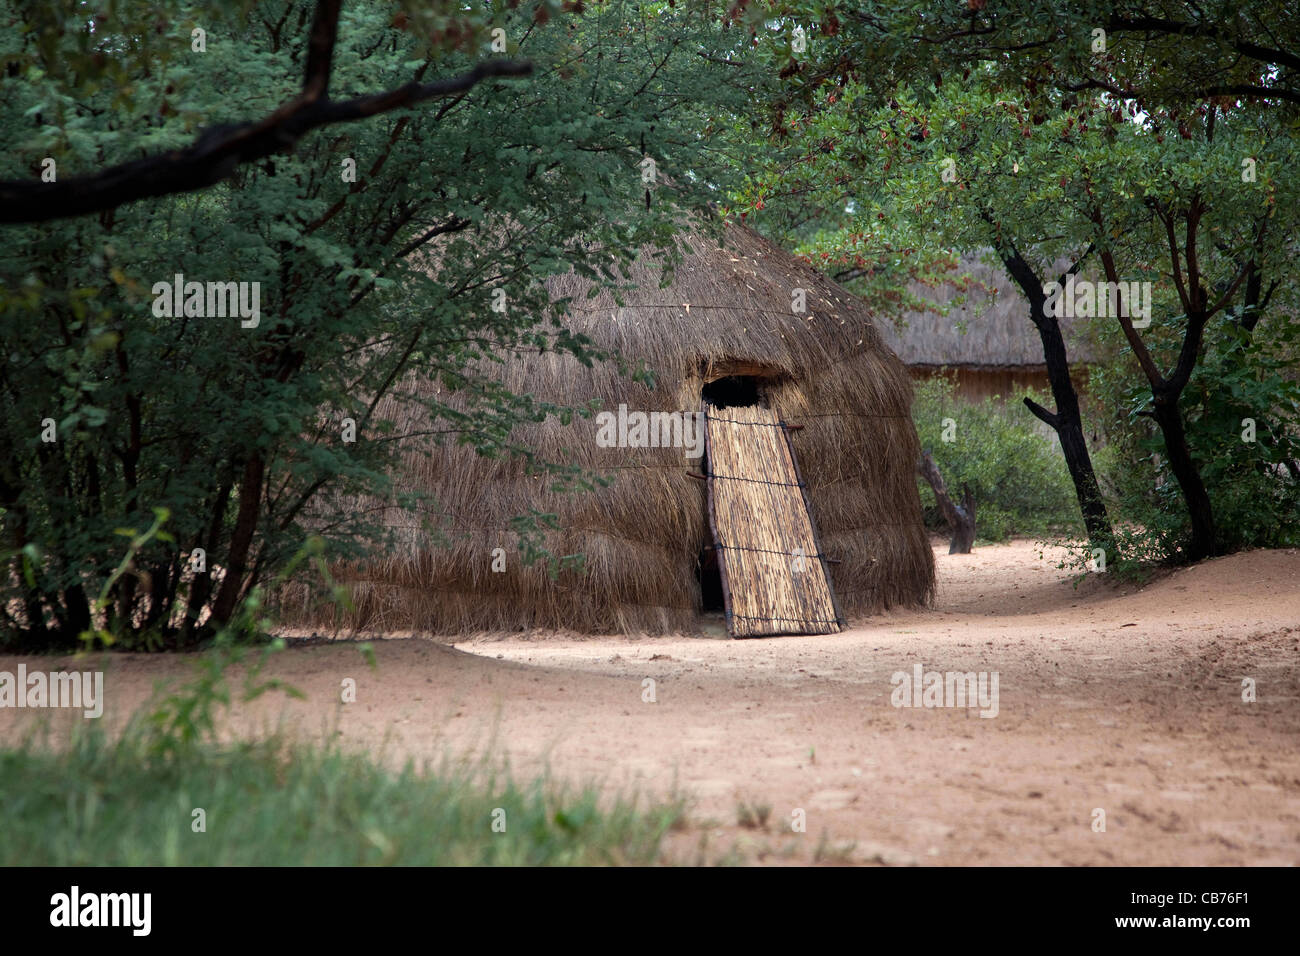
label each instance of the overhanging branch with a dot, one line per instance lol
(220, 150)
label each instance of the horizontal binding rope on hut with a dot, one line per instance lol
(776, 582)
(642, 534)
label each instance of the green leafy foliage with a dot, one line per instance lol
(1000, 127)
(1015, 473)
(1174, 53)
(236, 428)
(1242, 411)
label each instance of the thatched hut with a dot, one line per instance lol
(726, 328)
(986, 345)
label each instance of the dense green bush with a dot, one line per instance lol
(1015, 472)
(1243, 388)
(253, 432)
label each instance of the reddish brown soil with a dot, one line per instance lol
(1127, 700)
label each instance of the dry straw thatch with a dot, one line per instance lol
(991, 330)
(727, 311)
(767, 544)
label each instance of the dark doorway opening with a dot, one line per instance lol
(710, 575)
(733, 391)
(726, 391)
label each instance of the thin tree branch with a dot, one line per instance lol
(1048, 418)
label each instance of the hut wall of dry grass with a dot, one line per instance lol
(728, 307)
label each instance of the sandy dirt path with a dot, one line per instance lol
(1125, 700)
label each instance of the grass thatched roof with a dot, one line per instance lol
(990, 330)
(727, 311)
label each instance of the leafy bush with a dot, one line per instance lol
(252, 433)
(1244, 387)
(1016, 474)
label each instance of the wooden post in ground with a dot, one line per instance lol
(960, 518)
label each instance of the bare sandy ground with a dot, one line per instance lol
(1123, 700)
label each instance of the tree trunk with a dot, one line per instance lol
(79, 618)
(960, 518)
(1199, 509)
(1066, 420)
(1167, 390)
(241, 540)
(1068, 425)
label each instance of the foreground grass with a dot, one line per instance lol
(98, 802)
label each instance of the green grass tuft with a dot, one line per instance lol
(98, 802)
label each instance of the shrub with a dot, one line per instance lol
(254, 435)
(1015, 472)
(1242, 416)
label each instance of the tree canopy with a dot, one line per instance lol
(413, 240)
(1128, 156)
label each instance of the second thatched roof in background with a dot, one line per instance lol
(987, 331)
